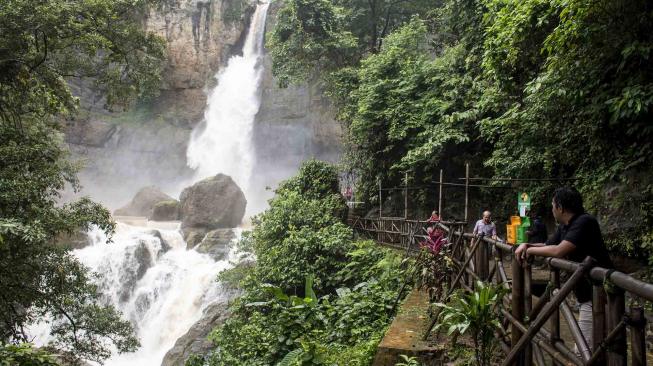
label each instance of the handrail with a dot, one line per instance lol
(529, 340)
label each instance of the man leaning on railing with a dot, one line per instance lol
(578, 235)
(485, 226)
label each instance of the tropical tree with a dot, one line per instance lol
(43, 45)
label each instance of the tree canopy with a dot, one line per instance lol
(525, 89)
(43, 45)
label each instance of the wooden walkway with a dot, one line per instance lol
(532, 328)
(404, 336)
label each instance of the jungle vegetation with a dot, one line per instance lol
(544, 89)
(43, 45)
(314, 295)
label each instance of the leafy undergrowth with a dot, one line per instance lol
(314, 296)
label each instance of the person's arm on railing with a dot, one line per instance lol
(520, 252)
(540, 249)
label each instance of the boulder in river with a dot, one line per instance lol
(143, 202)
(213, 203)
(194, 342)
(165, 211)
(139, 259)
(216, 243)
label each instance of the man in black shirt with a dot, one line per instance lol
(578, 235)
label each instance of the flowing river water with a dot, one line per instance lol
(147, 272)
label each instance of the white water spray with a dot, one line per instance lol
(223, 143)
(160, 286)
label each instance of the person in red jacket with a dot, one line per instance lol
(434, 217)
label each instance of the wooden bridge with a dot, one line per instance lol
(531, 327)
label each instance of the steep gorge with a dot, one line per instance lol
(147, 145)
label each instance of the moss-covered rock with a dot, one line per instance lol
(165, 211)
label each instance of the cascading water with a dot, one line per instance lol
(148, 274)
(223, 143)
(157, 284)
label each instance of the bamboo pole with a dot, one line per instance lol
(614, 333)
(380, 199)
(528, 305)
(479, 259)
(554, 320)
(581, 342)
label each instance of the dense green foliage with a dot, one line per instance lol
(24, 355)
(474, 314)
(528, 89)
(42, 45)
(314, 296)
(320, 36)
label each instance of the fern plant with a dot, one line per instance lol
(473, 314)
(292, 358)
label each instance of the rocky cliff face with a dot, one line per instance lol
(147, 145)
(292, 124)
(200, 37)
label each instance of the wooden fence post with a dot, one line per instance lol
(482, 261)
(554, 320)
(406, 197)
(528, 306)
(380, 200)
(517, 304)
(440, 197)
(637, 337)
(598, 320)
(617, 350)
(466, 189)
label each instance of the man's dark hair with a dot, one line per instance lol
(569, 199)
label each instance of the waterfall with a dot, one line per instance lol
(155, 282)
(147, 273)
(223, 142)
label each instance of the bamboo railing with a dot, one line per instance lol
(531, 327)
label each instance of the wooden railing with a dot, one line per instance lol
(395, 232)
(523, 335)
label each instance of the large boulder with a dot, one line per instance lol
(140, 260)
(213, 203)
(216, 243)
(165, 211)
(194, 342)
(143, 202)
